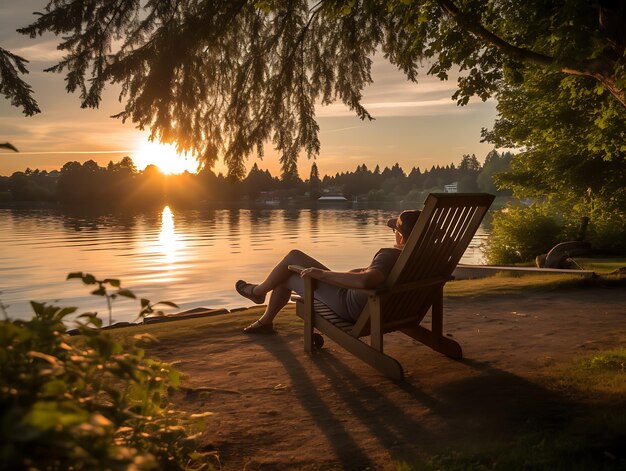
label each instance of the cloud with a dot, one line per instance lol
(40, 52)
(391, 94)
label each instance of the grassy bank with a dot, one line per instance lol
(592, 437)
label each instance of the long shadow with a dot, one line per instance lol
(365, 402)
(346, 449)
(491, 405)
(509, 398)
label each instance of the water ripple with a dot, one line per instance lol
(192, 257)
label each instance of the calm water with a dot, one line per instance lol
(191, 257)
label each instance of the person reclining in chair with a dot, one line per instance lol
(344, 299)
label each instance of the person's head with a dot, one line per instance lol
(403, 225)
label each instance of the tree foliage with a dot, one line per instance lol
(224, 77)
(573, 140)
(15, 88)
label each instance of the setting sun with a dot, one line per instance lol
(165, 157)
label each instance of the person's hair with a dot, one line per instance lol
(405, 222)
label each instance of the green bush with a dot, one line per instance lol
(607, 230)
(520, 234)
(86, 402)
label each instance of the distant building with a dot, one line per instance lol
(451, 188)
(332, 199)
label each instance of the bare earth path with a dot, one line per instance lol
(277, 408)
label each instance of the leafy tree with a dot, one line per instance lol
(225, 77)
(495, 164)
(257, 181)
(315, 184)
(469, 163)
(573, 139)
(573, 159)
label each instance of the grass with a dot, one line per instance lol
(510, 284)
(600, 375)
(592, 439)
(601, 265)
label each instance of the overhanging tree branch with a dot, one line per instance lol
(600, 68)
(515, 52)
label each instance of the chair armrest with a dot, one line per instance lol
(441, 280)
(298, 269)
(295, 268)
(387, 290)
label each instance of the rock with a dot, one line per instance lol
(557, 257)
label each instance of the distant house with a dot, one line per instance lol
(451, 188)
(332, 199)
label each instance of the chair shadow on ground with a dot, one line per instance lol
(484, 404)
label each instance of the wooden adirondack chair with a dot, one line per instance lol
(415, 286)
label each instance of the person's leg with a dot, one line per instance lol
(278, 283)
(278, 300)
(280, 273)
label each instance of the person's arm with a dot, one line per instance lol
(367, 278)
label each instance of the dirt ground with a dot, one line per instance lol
(278, 408)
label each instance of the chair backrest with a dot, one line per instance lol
(441, 235)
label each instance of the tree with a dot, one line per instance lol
(571, 135)
(469, 163)
(495, 164)
(225, 77)
(315, 184)
(572, 158)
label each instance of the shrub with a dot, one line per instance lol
(520, 234)
(86, 402)
(607, 230)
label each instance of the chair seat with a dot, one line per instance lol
(324, 311)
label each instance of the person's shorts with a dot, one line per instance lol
(332, 296)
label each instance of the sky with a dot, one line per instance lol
(416, 125)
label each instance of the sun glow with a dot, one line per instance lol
(165, 157)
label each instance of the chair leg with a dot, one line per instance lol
(308, 314)
(439, 343)
(383, 363)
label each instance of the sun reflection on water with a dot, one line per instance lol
(167, 236)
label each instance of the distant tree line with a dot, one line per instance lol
(121, 183)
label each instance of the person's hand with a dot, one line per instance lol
(312, 272)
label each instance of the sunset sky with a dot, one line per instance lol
(416, 125)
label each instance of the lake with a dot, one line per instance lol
(189, 256)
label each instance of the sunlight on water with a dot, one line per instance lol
(189, 256)
(167, 236)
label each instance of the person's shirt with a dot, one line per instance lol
(383, 261)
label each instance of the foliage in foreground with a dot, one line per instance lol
(87, 402)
